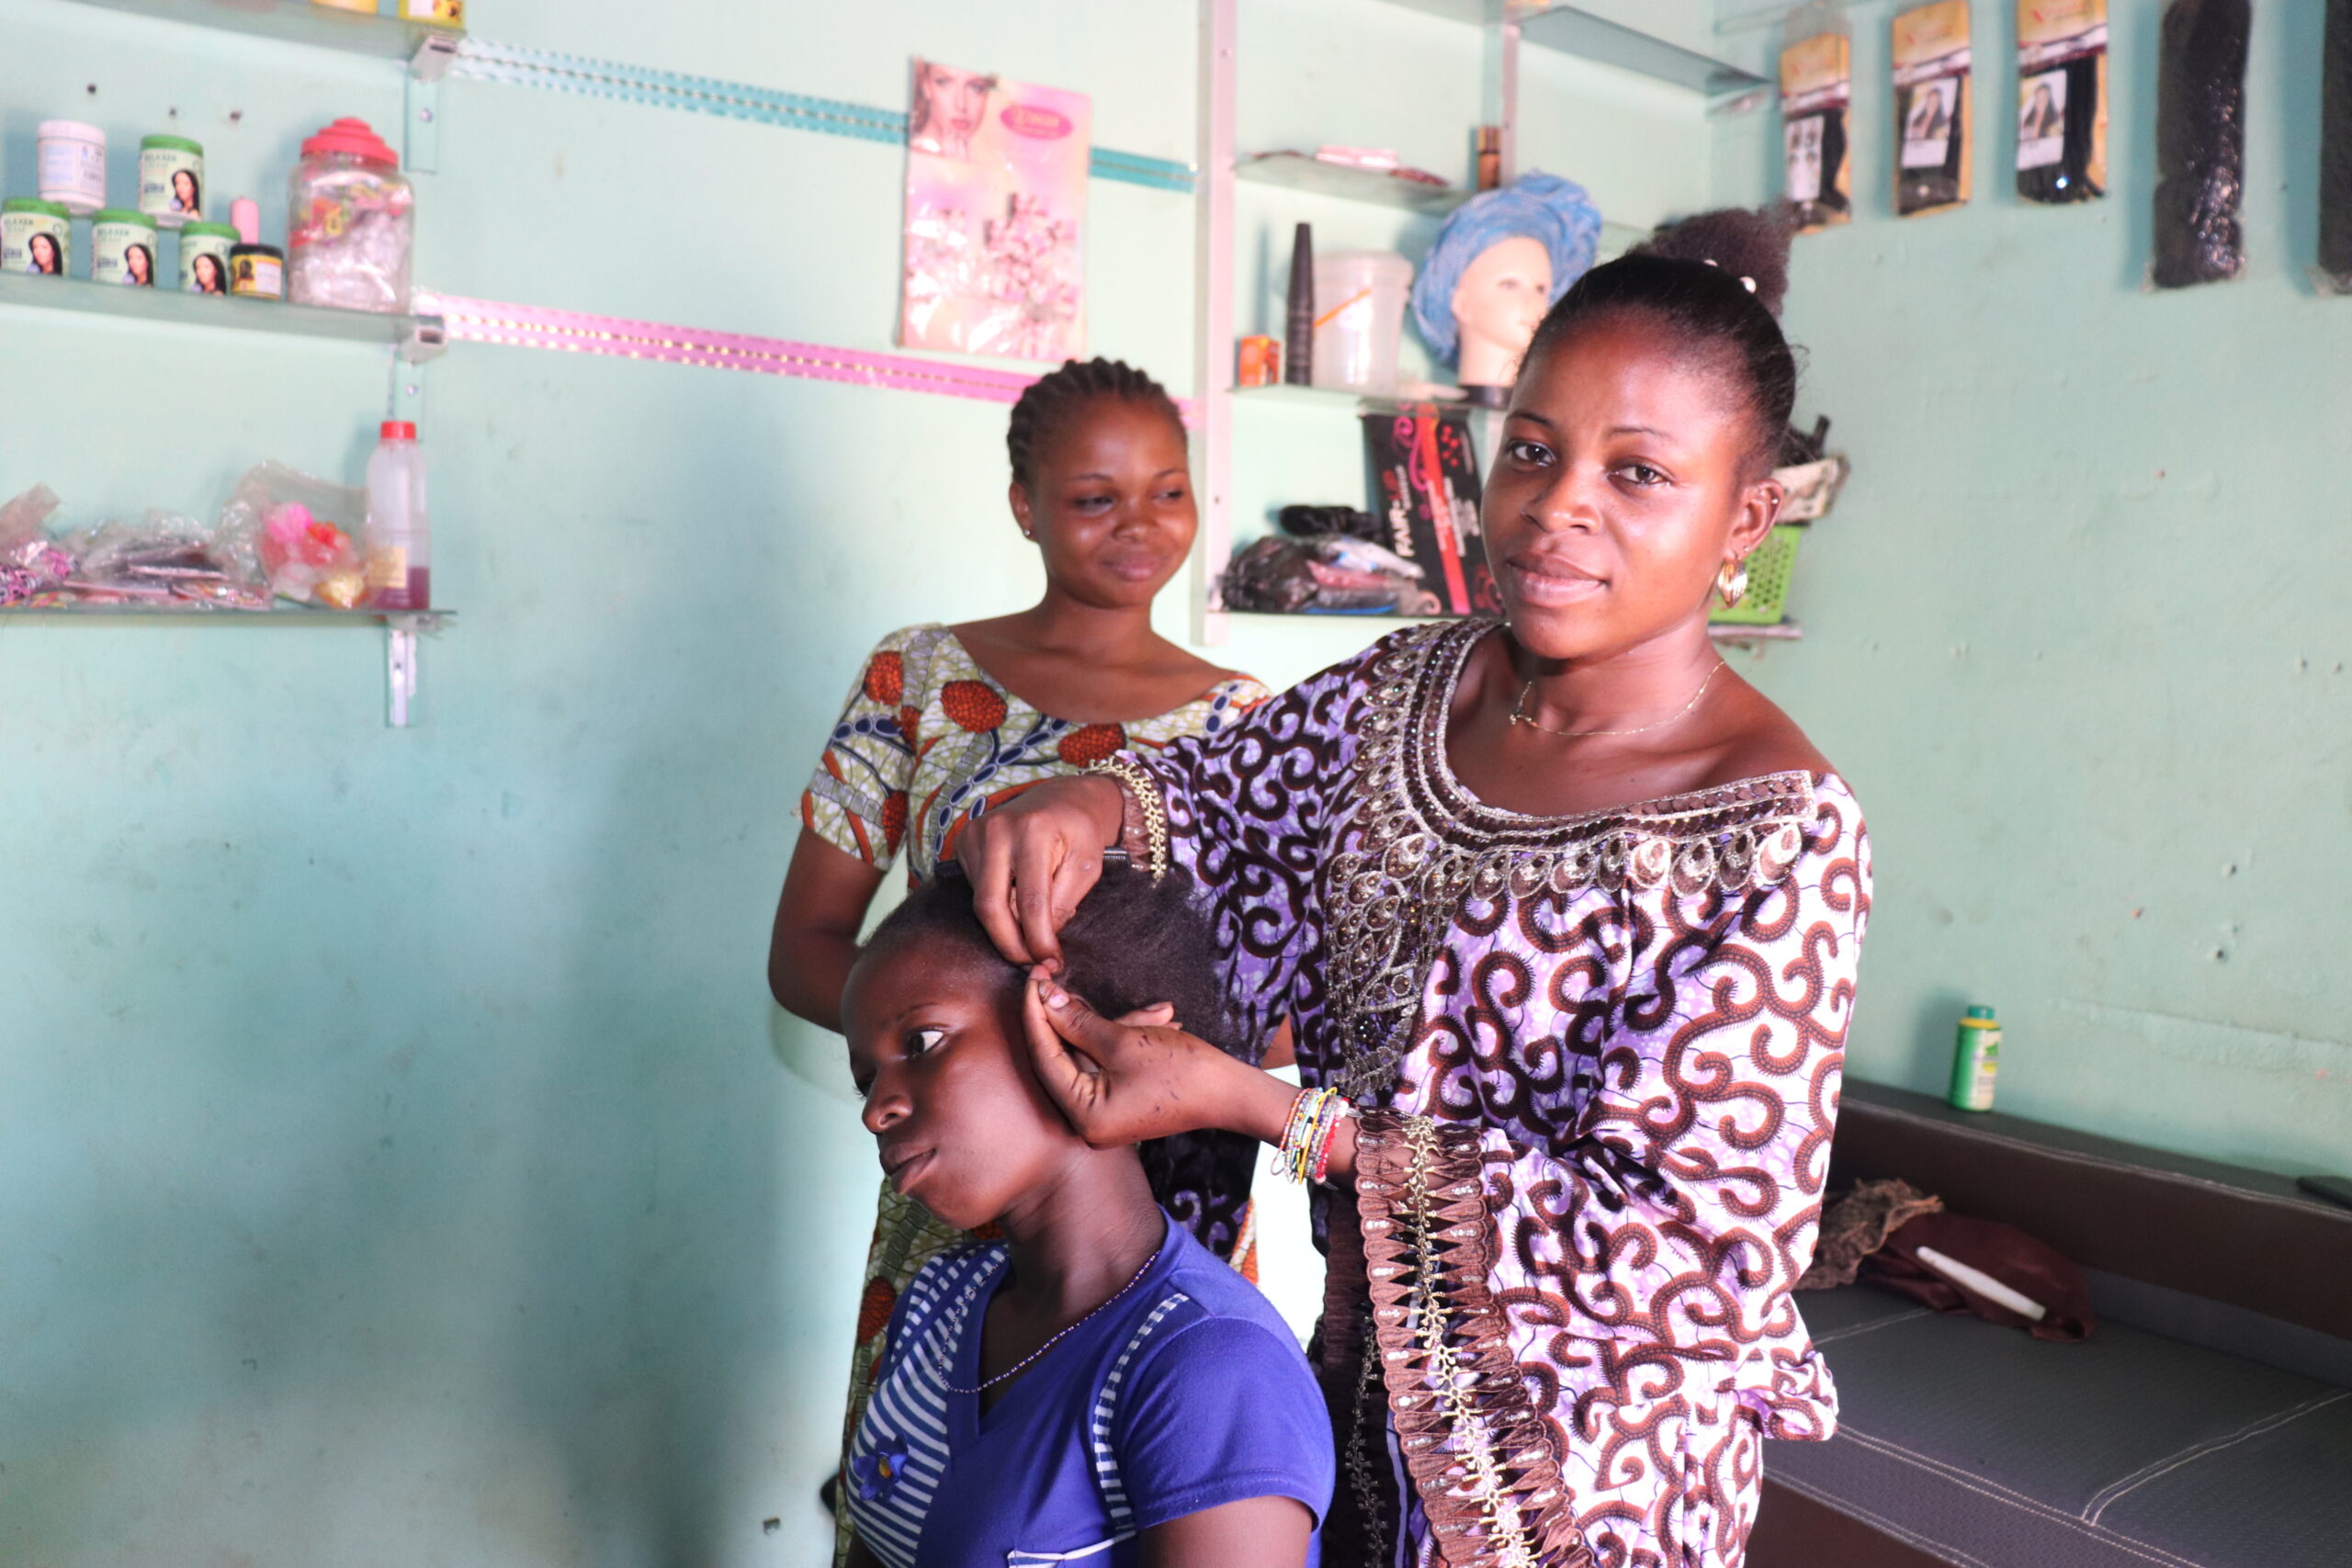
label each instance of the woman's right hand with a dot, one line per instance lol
(1033, 859)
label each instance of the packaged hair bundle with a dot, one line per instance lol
(2200, 143)
(1931, 108)
(2335, 149)
(1817, 88)
(2062, 100)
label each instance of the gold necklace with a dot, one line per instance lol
(1519, 714)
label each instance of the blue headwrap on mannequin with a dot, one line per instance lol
(1540, 206)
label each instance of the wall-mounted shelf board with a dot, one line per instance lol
(1333, 400)
(295, 21)
(1297, 171)
(401, 630)
(1568, 30)
(418, 337)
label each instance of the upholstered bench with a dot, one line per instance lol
(2207, 1424)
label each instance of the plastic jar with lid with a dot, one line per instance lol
(123, 248)
(350, 222)
(171, 180)
(36, 236)
(73, 159)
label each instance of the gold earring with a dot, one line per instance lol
(1731, 583)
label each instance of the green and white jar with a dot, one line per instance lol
(171, 180)
(204, 258)
(36, 236)
(123, 248)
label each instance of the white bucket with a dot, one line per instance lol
(1359, 319)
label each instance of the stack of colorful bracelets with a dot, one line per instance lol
(1304, 1153)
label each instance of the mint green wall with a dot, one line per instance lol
(2077, 630)
(400, 1159)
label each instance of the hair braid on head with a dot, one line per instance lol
(1716, 281)
(1048, 405)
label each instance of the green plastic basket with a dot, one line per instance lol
(1768, 571)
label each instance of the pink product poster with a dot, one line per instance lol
(996, 213)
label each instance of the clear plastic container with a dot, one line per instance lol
(1359, 319)
(399, 542)
(350, 222)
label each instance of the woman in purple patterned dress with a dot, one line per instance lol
(1569, 914)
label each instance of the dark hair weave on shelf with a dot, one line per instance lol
(1048, 404)
(1693, 277)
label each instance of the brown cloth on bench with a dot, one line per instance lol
(2038, 1272)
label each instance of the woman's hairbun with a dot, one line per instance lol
(1751, 244)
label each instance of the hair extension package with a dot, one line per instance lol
(2062, 100)
(1931, 112)
(1816, 86)
(2200, 143)
(2335, 149)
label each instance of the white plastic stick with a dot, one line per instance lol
(1984, 1284)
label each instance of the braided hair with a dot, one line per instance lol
(1132, 942)
(1716, 281)
(1051, 403)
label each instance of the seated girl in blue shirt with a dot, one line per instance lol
(1096, 1388)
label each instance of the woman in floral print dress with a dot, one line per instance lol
(1571, 914)
(947, 723)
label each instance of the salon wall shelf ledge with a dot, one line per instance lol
(1298, 170)
(417, 337)
(300, 21)
(279, 616)
(1333, 400)
(1569, 30)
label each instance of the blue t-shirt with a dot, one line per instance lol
(1187, 1392)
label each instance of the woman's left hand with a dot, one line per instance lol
(1123, 1082)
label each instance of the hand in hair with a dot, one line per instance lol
(1033, 859)
(1125, 1082)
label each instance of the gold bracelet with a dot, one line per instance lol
(1138, 783)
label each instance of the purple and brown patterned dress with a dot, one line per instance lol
(1597, 1058)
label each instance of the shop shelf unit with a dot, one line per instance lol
(1506, 26)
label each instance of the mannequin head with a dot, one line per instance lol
(1499, 263)
(1501, 297)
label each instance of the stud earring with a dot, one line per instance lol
(1028, 533)
(1731, 583)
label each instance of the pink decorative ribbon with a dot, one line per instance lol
(533, 326)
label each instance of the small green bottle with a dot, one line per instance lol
(1974, 1061)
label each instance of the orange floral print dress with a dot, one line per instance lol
(927, 744)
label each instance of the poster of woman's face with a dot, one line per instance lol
(45, 255)
(2041, 119)
(947, 110)
(1927, 127)
(1800, 141)
(185, 194)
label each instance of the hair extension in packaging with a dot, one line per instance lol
(2062, 100)
(2200, 143)
(1932, 107)
(1817, 88)
(2335, 150)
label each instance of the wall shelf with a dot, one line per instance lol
(1298, 170)
(417, 337)
(401, 630)
(299, 21)
(1567, 30)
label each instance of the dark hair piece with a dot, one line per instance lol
(1132, 942)
(1689, 279)
(1744, 242)
(1049, 403)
